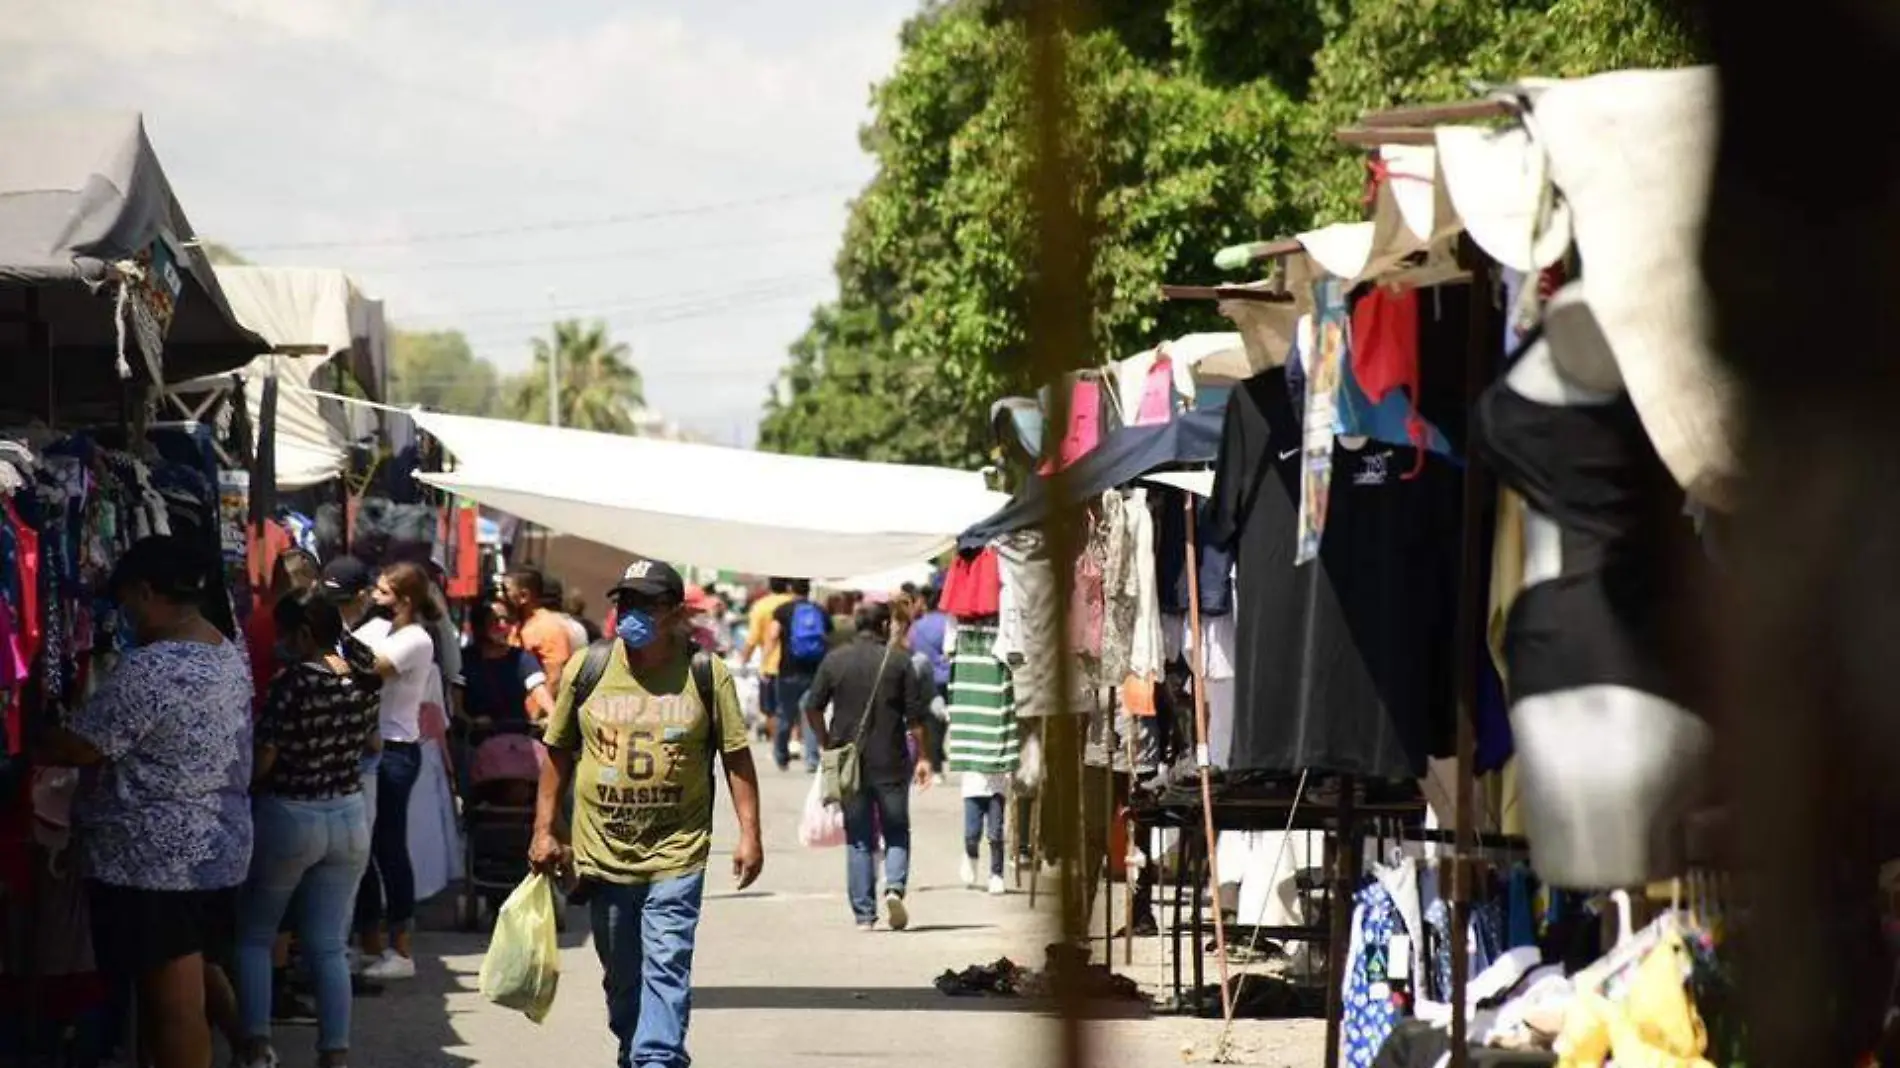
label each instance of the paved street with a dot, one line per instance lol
(784, 978)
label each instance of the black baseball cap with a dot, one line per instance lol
(345, 577)
(651, 579)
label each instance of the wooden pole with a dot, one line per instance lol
(1344, 868)
(1035, 839)
(1203, 755)
(1130, 878)
(1108, 846)
(1473, 575)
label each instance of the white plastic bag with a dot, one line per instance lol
(822, 826)
(522, 966)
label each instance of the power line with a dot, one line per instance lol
(497, 336)
(605, 257)
(727, 293)
(549, 226)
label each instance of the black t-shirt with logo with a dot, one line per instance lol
(1343, 664)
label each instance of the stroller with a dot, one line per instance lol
(498, 821)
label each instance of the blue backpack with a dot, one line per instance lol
(807, 641)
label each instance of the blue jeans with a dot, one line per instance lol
(388, 894)
(322, 847)
(644, 935)
(891, 804)
(977, 813)
(791, 716)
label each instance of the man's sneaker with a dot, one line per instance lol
(392, 966)
(867, 926)
(969, 872)
(997, 889)
(268, 1060)
(894, 908)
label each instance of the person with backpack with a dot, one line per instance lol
(633, 735)
(801, 630)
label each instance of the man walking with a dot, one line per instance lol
(642, 716)
(758, 626)
(801, 631)
(878, 700)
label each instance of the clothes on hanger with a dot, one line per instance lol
(973, 587)
(1345, 663)
(983, 735)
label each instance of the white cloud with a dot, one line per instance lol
(396, 121)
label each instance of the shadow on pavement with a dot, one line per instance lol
(888, 999)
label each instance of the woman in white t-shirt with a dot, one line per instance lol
(405, 658)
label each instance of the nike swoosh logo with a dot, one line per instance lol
(1288, 454)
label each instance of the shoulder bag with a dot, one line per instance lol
(842, 766)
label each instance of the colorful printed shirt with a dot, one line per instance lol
(171, 808)
(643, 788)
(320, 722)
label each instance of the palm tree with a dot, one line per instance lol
(600, 387)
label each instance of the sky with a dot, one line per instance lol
(680, 169)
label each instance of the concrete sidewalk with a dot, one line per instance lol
(783, 977)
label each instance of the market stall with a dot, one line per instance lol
(104, 300)
(1565, 235)
(102, 282)
(320, 326)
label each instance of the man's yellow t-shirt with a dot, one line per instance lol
(643, 788)
(758, 621)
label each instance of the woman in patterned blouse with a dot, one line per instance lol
(165, 823)
(313, 829)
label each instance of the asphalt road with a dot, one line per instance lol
(784, 978)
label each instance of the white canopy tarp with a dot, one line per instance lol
(296, 307)
(710, 506)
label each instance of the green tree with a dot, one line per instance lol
(222, 255)
(437, 370)
(1200, 123)
(600, 387)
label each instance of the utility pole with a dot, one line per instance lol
(554, 363)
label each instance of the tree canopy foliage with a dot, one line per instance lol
(1199, 123)
(600, 388)
(437, 370)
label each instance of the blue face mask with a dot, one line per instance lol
(636, 628)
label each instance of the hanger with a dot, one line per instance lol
(1437, 267)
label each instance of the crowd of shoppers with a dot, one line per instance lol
(248, 791)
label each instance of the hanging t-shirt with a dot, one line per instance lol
(1213, 555)
(1344, 664)
(1380, 391)
(973, 587)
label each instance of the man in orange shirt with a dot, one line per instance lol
(538, 629)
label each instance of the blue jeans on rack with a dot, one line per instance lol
(644, 934)
(321, 847)
(876, 806)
